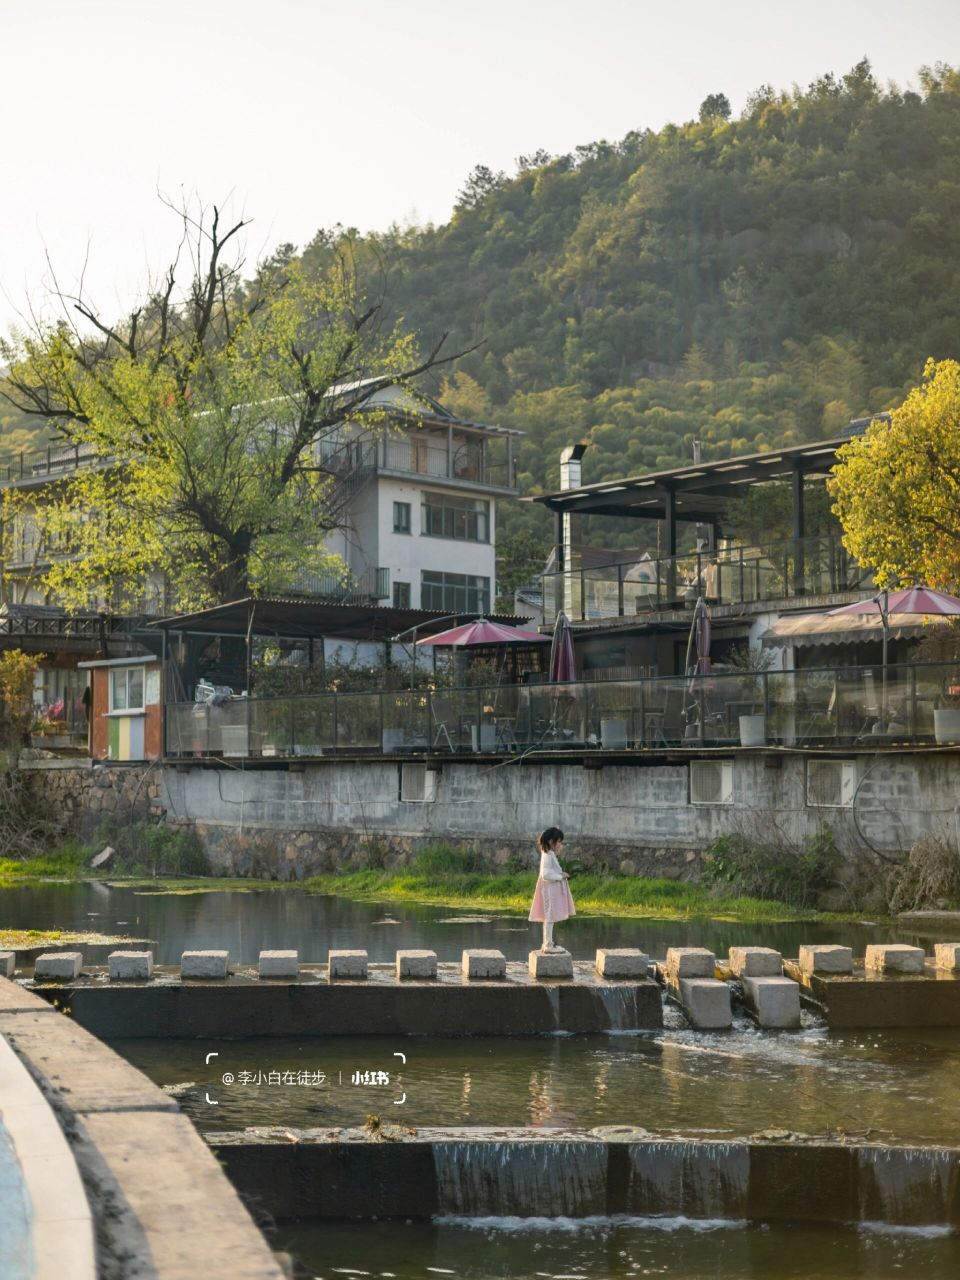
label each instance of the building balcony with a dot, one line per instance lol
(459, 462)
(828, 709)
(369, 587)
(785, 571)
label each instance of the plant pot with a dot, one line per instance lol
(753, 731)
(946, 724)
(392, 740)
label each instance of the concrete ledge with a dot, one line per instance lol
(204, 964)
(126, 965)
(869, 999)
(58, 964)
(825, 959)
(894, 958)
(279, 964)
(8, 964)
(60, 1223)
(622, 962)
(479, 965)
(550, 964)
(347, 964)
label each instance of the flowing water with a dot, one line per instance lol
(893, 1085)
(617, 1249)
(246, 923)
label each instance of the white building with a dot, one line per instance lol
(418, 493)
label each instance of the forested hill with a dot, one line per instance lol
(755, 282)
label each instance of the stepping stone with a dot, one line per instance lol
(346, 964)
(689, 962)
(416, 964)
(8, 963)
(706, 1002)
(622, 962)
(825, 959)
(58, 964)
(204, 964)
(775, 1001)
(755, 962)
(893, 958)
(550, 964)
(130, 964)
(946, 955)
(279, 964)
(483, 964)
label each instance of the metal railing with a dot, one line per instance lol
(57, 459)
(466, 461)
(373, 584)
(826, 707)
(732, 575)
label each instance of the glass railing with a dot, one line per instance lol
(732, 575)
(464, 460)
(830, 706)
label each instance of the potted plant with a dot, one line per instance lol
(750, 663)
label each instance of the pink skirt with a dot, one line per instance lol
(552, 900)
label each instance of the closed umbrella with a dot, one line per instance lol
(563, 665)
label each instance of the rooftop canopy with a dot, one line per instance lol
(700, 491)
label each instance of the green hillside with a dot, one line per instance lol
(755, 282)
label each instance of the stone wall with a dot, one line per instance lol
(84, 794)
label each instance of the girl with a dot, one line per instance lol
(552, 899)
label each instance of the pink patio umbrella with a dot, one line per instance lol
(483, 632)
(907, 600)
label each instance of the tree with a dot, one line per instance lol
(206, 407)
(715, 106)
(521, 557)
(896, 488)
(481, 180)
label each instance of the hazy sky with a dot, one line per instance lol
(311, 112)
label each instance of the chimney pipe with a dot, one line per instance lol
(570, 478)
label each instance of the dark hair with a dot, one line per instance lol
(549, 837)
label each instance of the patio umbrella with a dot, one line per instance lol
(562, 663)
(907, 600)
(483, 632)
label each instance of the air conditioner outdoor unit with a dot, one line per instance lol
(711, 782)
(831, 784)
(418, 784)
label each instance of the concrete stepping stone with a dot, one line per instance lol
(8, 963)
(204, 964)
(622, 962)
(755, 962)
(279, 964)
(893, 958)
(689, 962)
(825, 958)
(124, 965)
(550, 964)
(347, 964)
(58, 964)
(479, 964)
(946, 955)
(774, 1000)
(706, 1002)
(416, 964)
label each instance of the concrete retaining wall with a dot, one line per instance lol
(633, 818)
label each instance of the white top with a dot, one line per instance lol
(550, 867)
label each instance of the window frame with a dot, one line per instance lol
(127, 672)
(408, 508)
(453, 516)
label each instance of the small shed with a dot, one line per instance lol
(125, 708)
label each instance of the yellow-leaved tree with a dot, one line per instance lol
(896, 488)
(197, 420)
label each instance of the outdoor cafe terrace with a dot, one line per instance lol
(861, 708)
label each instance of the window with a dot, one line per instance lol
(401, 595)
(446, 516)
(126, 689)
(401, 517)
(454, 592)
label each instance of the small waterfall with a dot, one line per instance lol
(692, 1179)
(553, 999)
(619, 1006)
(908, 1185)
(523, 1180)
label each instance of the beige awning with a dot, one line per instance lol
(820, 628)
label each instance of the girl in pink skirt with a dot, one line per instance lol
(552, 900)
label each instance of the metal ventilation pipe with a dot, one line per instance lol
(571, 478)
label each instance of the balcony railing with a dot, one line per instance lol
(371, 585)
(733, 575)
(823, 708)
(465, 461)
(55, 460)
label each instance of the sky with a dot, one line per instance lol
(301, 114)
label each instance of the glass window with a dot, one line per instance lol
(401, 595)
(126, 689)
(454, 592)
(446, 515)
(401, 517)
